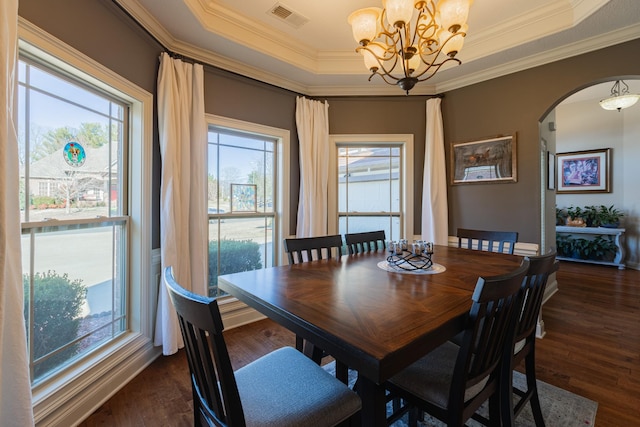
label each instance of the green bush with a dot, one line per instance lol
(235, 256)
(43, 201)
(56, 302)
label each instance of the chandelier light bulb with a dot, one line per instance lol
(399, 12)
(453, 14)
(364, 24)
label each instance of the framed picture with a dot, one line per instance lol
(487, 160)
(584, 171)
(243, 198)
(551, 171)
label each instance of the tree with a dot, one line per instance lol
(261, 175)
(212, 188)
(93, 135)
(229, 175)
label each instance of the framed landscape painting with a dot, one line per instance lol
(584, 171)
(483, 161)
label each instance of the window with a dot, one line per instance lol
(86, 233)
(72, 139)
(372, 181)
(245, 185)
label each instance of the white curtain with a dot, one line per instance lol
(15, 386)
(183, 193)
(312, 120)
(435, 223)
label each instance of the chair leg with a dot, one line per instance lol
(342, 372)
(532, 388)
(313, 352)
(494, 410)
(505, 394)
(299, 343)
(414, 415)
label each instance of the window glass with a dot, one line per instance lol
(241, 196)
(74, 223)
(369, 188)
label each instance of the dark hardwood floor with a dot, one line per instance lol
(592, 348)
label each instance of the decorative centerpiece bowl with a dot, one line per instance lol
(416, 256)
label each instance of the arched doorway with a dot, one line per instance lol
(576, 122)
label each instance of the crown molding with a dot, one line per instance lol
(574, 49)
(350, 63)
(541, 22)
(237, 28)
(253, 34)
(148, 21)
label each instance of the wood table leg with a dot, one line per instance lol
(374, 402)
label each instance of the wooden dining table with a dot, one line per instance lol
(374, 320)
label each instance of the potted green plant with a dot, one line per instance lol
(561, 216)
(565, 245)
(590, 215)
(576, 216)
(609, 216)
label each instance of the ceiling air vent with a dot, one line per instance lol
(285, 14)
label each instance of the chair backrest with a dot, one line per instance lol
(313, 248)
(365, 242)
(216, 399)
(532, 292)
(494, 241)
(490, 327)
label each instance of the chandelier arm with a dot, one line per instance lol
(401, 54)
(435, 69)
(386, 76)
(436, 53)
(381, 62)
(384, 31)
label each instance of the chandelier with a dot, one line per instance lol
(620, 97)
(404, 47)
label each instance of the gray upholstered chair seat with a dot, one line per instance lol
(286, 388)
(430, 377)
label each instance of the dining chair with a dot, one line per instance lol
(309, 248)
(493, 241)
(453, 381)
(282, 388)
(368, 241)
(305, 249)
(524, 343)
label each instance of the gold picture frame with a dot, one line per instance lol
(490, 160)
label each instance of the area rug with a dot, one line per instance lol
(560, 408)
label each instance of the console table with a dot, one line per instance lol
(616, 233)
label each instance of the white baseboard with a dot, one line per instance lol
(236, 313)
(80, 397)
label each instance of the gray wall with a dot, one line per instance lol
(514, 103)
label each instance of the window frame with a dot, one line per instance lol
(72, 393)
(281, 174)
(405, 142)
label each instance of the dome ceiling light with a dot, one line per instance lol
(620, 97)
